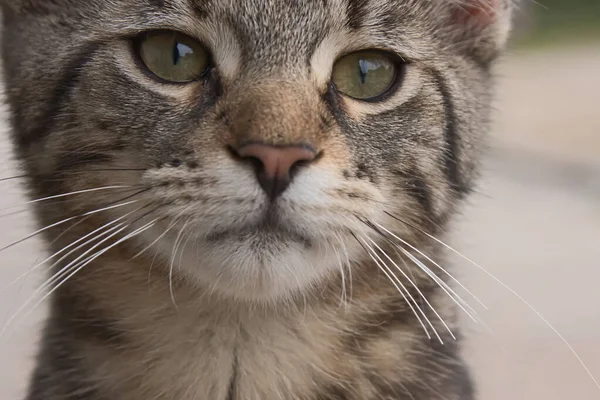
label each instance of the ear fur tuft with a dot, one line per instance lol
(481, 27)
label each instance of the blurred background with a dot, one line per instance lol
(534, 222)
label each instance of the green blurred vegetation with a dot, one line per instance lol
(549, 22)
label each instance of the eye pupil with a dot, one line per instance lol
(176, 53)
(362, 71)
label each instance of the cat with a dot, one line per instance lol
(244, 192)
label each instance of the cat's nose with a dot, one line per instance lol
(275, 165)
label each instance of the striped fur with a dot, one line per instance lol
(239, 299)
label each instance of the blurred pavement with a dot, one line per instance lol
(534, 223)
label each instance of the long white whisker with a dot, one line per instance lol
(175, 247)
(348, 264)
(434, 263)
(401, 289)
(480, 320)
(171, 225)
(63, 271)
(181, 253)
(67, 220)
(58, 196)
(443, 285)
(522, 299)
(82, 220)
(58, 275)
(343, 299)
(114, 231)
(38, 265)
(81, 266)
(415, 286)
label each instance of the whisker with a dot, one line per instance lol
(480, 320)
(58, 275)
(348, 264)
(79, 268)
(415, 286)
(78, 171)
(26, 210)
(63, 198)
(455, 297)
(73, 264)
(514, 293)
(118, 228)
(393, 281)
(58, 196)
(174, 254)
(89, 216)
(14, 177)
(189, 237)
(67, 230)
(343, 298)
(435, 264)
(83, 238)
(65, 221)
(23, 176)
(171, 225)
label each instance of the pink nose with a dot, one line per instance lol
(275, 165)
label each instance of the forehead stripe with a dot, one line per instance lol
(63, 86)
(356, 13)
(201, 7)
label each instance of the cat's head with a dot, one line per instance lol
(261, 142)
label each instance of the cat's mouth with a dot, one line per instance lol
(267, 229)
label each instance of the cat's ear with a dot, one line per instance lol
(481, 27)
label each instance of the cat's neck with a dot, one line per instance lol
(191, 343)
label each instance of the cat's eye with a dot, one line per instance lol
(365, 75)
(173, 56)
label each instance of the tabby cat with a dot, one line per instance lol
(241, 195)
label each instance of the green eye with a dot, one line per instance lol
(173, 56)
(364, 75)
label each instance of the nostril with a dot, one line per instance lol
(233, 153)
(298, 165)
(255, 162)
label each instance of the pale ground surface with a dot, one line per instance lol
(535, 224)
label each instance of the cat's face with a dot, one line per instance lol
(263, 135)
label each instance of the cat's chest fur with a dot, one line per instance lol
(235, 359)
(187, 348)
(179, 348)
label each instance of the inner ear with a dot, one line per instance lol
(479, 27)
(480, 13)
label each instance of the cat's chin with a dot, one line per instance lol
(255, 264)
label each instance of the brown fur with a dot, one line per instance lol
(240, 297)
